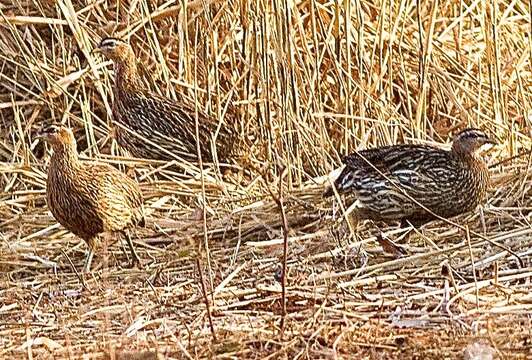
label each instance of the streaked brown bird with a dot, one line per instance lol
(391, 182)
(89, 198)
(168, 125)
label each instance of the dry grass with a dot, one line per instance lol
(304, 83)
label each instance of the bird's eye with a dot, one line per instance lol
(108, 43)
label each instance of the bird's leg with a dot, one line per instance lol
(135, 258)
(88, 260)
(482, 219)
(352, 218)
(410, 225)
(352, 222)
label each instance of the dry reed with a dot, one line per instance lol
(303, 82)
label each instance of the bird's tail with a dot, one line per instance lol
(340, 184)
(329, 191)
(139, 217)
(142, 222)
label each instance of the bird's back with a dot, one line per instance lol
(168, 124)
(391, 182)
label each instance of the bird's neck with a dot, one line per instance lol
(463, 155)
(472, 160)
(126, 74)
(65, 155)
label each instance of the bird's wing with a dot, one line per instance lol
(434, 173)
(173, 123)
(403, 165)
(113, 189)
(385, 158)
(183, 113)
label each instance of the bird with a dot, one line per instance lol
(416, 183)
(168, 125)
(89, 198)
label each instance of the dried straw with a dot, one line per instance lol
(303, 82)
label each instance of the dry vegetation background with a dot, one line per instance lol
(304, 82)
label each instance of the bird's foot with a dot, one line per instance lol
(88, 261)
(135, 263)
(390, 247)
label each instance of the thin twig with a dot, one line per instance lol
(204, 215)
(279, 202)
(206, 298)
(504, 161)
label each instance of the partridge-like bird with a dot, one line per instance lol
(391, 182)
(89, 198)
(168, 125)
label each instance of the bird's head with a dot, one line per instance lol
(59, 136)
(115, 49)
(471, 142)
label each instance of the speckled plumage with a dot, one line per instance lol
(168, 124)
(89, 198)
(384, 180)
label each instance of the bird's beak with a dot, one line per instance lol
(96, 50)
(42, 135)
(487, 146)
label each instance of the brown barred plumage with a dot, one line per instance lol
(384, 180)
(169, 125)
(89, 198)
